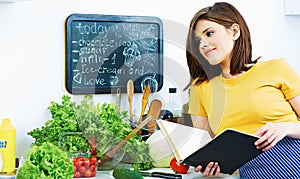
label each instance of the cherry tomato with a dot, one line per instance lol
(77, 174)
(79, 162)
(87, 173)
(94, 173)
(93, 159)
(82, 169)
(79, 157)
(178, 167)
(94, 151)
(86, 161)
(93, 167)
(76, 163)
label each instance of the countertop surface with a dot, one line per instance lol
(190, 175)
(107, 174)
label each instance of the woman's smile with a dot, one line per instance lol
(208, 52)
(216, 41)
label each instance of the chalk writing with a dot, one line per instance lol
(104, 54)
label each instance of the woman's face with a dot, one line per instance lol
(215, 41)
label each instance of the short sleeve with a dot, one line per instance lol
(289, 79)
(195, 106)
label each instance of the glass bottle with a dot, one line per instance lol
(174, 102)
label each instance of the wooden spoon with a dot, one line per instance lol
(111, 153)
(130, 92)
(145, 100)
(154, 111)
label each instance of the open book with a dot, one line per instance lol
(193, 146)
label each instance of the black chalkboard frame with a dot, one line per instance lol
(138, 87)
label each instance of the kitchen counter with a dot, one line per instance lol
(190, 175)
(107, 174)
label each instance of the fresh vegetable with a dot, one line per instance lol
(102, 127)
(159, 150)
(63, 120)
(142, 166)
(125, 173)
(162, 162)
(48, 162)
(74, 142)
(178, 167)
(85, 167)
(109, 126)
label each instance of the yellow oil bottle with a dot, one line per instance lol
(7, 145)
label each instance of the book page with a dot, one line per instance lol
(183, 140)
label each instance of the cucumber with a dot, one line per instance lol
(125, 173)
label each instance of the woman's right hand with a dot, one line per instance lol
(212, 169)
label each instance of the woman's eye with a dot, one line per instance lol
(208, 34)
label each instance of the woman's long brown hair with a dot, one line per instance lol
(224, 14)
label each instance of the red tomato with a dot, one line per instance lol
(77, 174)
(94, 173)
(93, 167)
(93, 159)
(86, 161)
(79, 162)
(178, 167)
(76, 163)
(82, 169)
(87, 173)
(93, 151)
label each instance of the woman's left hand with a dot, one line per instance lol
(270, 134)
(212, 169)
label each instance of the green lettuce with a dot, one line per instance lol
(48, 162)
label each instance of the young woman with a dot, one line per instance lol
(235, 91)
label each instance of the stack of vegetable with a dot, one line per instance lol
(103, 123)
(110, 126)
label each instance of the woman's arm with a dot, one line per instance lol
(201, 122)
(213, 168)
(295, 103)
(294, 131)
(271, 133)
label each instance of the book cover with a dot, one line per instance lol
(192, 146)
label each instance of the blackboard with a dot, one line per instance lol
(103, 52)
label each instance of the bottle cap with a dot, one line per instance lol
(5, 121)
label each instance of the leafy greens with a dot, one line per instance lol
(46, 161)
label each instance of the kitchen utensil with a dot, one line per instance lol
(130, 92)
(110, 163)
(145, 100)
(110, 154)
(154, 111)
(161, 175)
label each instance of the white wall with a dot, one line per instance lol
(32, 46)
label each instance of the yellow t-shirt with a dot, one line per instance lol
(250, 100)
